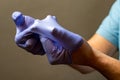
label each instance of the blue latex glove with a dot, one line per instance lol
(24, 39)
(55, 53)
(58, 43)
(50, 28)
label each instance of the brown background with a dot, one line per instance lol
(80, 16)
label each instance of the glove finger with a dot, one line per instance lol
(34, 46)
(21, 21)
(47, 45)
(55, 53)
(49, 48)
(29, 20)
(24, 38)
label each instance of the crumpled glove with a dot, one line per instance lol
(24, 39)
(50, 28)
(55, 53)
(58, 42)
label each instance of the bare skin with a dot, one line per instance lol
(93, 53)
(100, 44)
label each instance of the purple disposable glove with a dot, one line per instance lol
(24, 39)
(57, 42)
(55, 53)
(50, 28)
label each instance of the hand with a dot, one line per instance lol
(50, 28)
(55, 53)
(57, 42)
(25, 39)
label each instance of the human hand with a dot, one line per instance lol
(50, 28)
(29, 41)
(55, 53)
(57, 42)
(25, 39)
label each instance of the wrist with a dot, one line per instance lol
(106, 65)
(83, 55)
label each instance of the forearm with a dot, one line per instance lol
(82, 69)
(106, 65)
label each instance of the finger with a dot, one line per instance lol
(47, 45)
(50, 18)
(54, 17)
(55, 53)
(30, 43)
(34, 46)
(24, 38)
(50, 48)
(21, 21)
(18, 18)
(52, 51)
